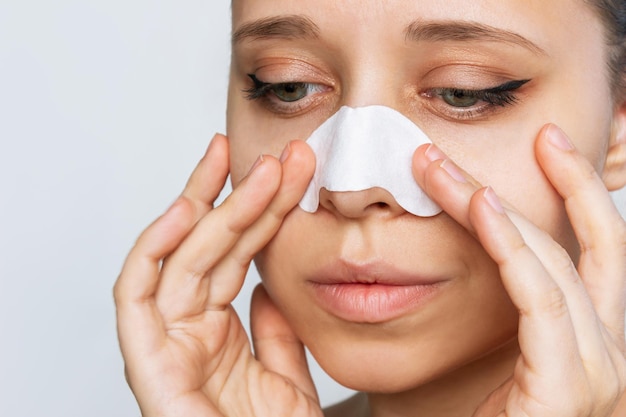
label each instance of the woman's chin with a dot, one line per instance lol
(381, 370)
(386, 368)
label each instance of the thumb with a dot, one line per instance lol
(276, 346)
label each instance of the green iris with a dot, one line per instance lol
(459, 98)
(290, 91)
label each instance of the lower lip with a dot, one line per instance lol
(372, 303)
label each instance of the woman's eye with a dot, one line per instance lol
(284, 98)
(458, 98)
(462, 104)
(290, 91)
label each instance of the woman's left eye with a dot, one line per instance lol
(466, 104)
(458, 98)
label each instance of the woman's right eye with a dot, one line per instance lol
(290, 91)
(283, 97)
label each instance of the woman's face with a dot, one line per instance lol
(410, 55)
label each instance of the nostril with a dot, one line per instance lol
(354, 204)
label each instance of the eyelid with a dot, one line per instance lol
(259, 88)
(263, 91)
(492, 98)
(508, 86)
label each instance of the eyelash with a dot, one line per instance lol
(267, 92)
(501, 96)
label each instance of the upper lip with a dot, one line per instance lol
(343, 271)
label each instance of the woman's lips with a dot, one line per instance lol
(371, 293)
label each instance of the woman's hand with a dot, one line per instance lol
(571, 326)
(185, 350)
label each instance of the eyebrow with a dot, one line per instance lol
(466, 31)
(281, 27)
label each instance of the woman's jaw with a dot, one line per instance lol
(333, 274)
(377, 327)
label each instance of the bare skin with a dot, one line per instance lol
(531, 322)
(187, 378)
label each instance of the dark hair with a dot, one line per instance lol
(613, 15)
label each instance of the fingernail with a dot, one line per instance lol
(285, 154)
(211, 144)
(452, 170)
(433, 153)
(175, 204)
(493, 200)
(258, 162)
(559, 139)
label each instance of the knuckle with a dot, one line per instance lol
(582, 404)
(563, 263)
(609, 395)
(127, 375)
(193, 273)
(610, 384)
(621, 236)
(554, 303)
(589, 173)
(621, 375)
(118, 292)
(563, 266)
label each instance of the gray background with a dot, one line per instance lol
(105, 107)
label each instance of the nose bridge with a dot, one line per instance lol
(372, 80)
(368, 90)
(358, 165)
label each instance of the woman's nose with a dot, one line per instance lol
(357, 204)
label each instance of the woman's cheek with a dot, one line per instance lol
(503, 157)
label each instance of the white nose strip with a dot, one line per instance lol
(365, 147)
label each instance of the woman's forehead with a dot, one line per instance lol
(543, 26)
(336, 9)
(351, 16)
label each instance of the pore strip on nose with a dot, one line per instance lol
(365, 147)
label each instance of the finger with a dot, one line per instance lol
(594, 343)
(208, 178)
(455, 189)
(202, 189)
(138, 281)
(546, 333)
(183, 290)
(275, 344)
(298, 163)
(444, 182)
(566, 313)
(600, 229)
(138, 320)
(593, 351)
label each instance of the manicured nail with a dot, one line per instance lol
(559, 139)
(493, 200)
(258, 162)
(285, 154)
(433, 153)
(452, 170)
